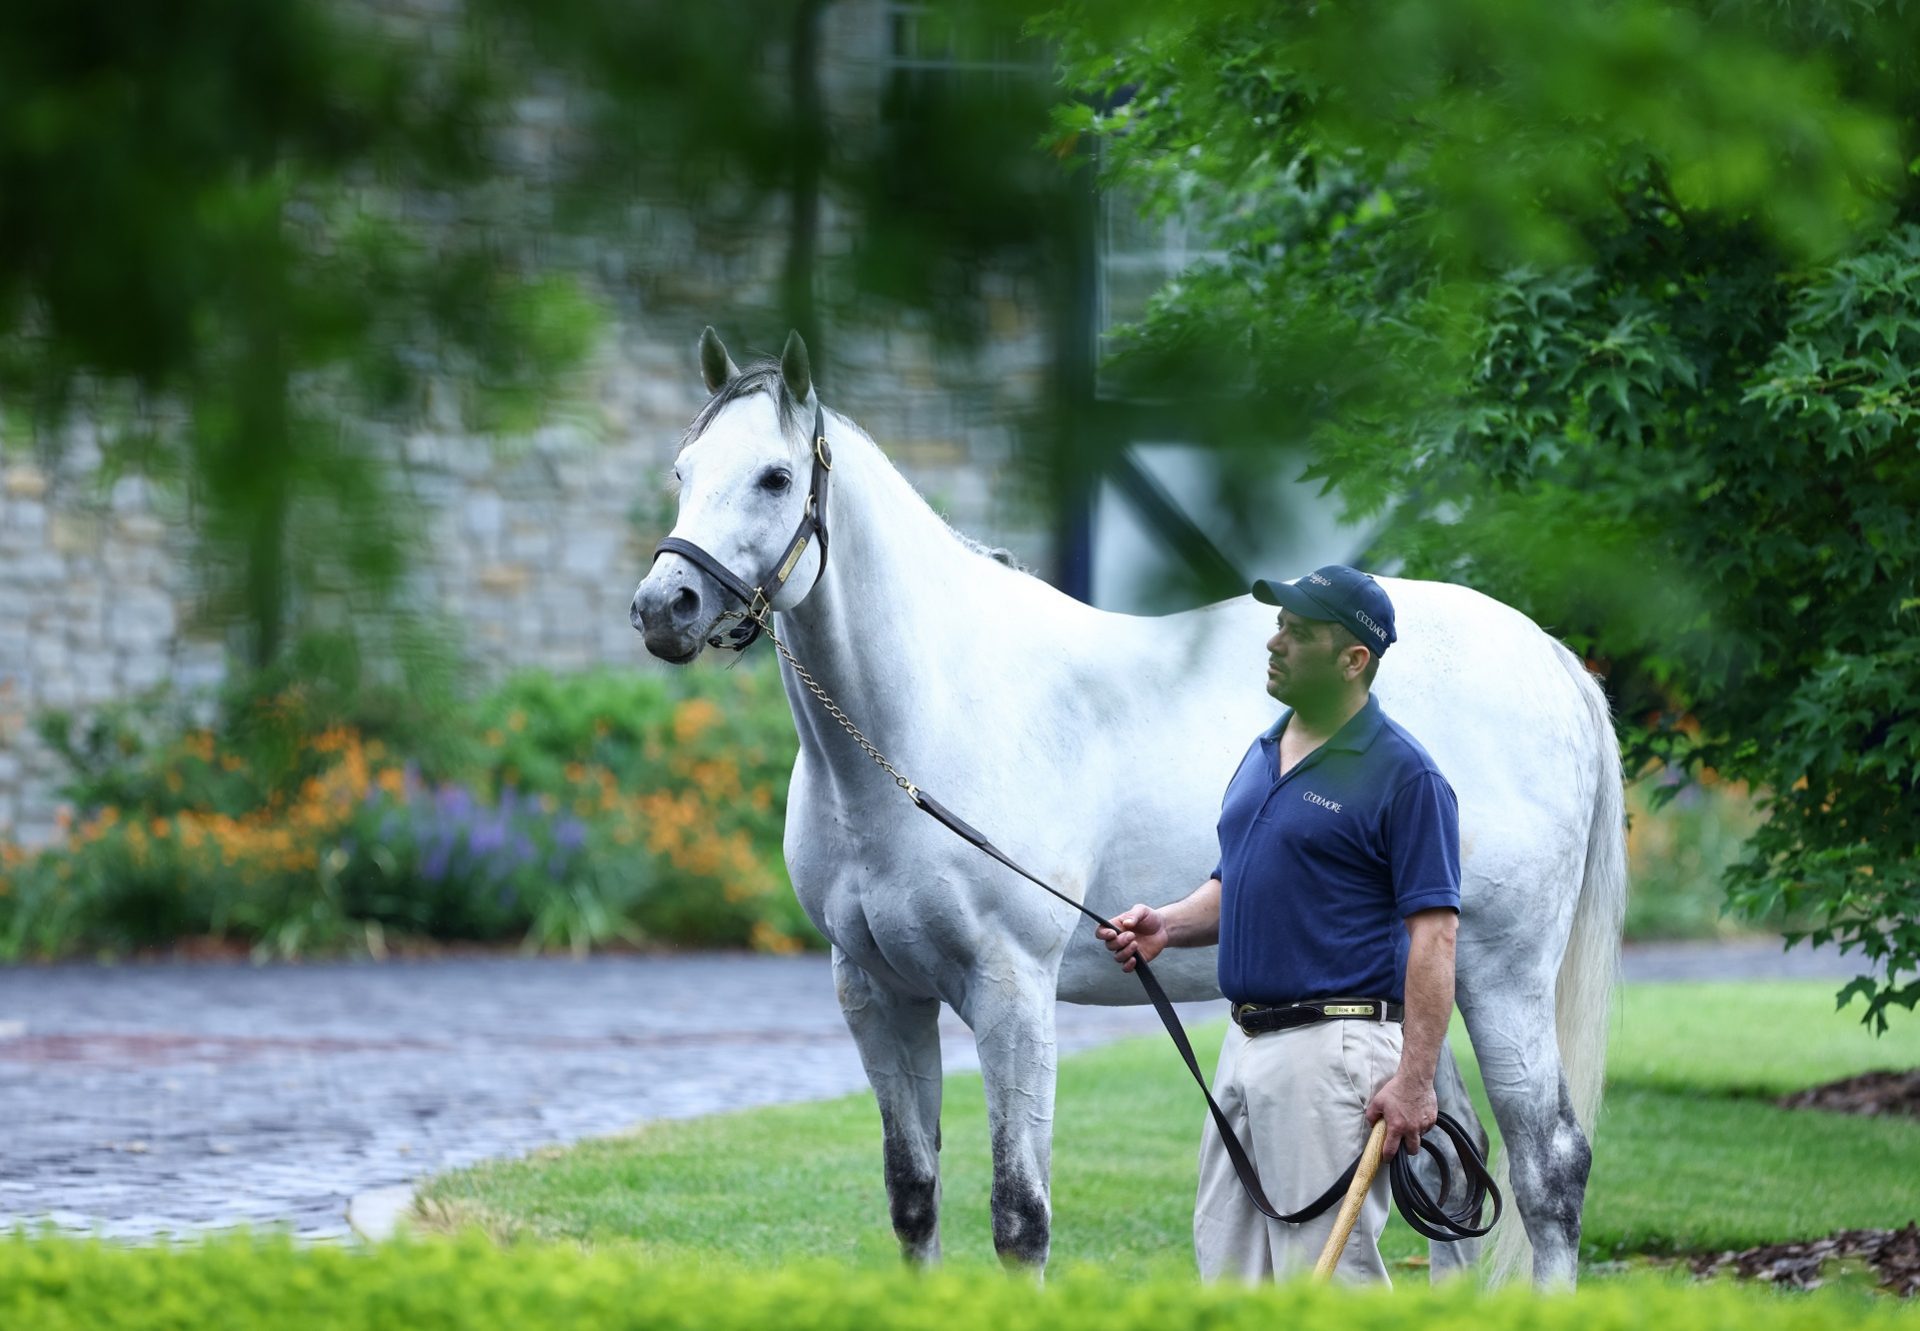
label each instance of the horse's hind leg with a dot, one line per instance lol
(899, 1040)
(1011, 1010)
(1447, 1260)
(1548, 1158)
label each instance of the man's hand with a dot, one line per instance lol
(1410, 1108)
(1142, 936)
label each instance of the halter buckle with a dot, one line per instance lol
(822, 454)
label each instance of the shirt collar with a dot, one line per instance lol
(1354, 736)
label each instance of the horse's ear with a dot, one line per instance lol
(795, 367)
(716, 366)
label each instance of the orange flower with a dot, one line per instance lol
(692, 717)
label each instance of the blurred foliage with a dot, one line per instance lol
(1607, 310)
(310, 817)
(245, 241)
(1678, 856)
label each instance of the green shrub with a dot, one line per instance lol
(690, 769)
(245, 1285)
(252, 742)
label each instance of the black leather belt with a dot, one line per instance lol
(1258, 1018)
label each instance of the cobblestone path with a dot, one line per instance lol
(143, 1099)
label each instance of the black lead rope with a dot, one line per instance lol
(1425, 1213)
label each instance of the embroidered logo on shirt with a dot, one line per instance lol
(1321, 800)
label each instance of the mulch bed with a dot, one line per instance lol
(1894, 1255)
(1868, 1093)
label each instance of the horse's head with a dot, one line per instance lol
(742, 476)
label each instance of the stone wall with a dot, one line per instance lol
(92, 577)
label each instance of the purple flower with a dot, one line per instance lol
(433, 864)
(487, 836)
(455, 801)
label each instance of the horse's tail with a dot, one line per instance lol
(1590, 969)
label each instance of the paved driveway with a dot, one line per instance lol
(143, 1099)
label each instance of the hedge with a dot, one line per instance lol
(236, 1283)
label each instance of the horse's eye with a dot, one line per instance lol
(776, 481)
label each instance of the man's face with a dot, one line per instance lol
(1303, 661)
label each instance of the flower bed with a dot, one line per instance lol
(556, 812)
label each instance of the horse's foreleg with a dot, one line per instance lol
(1447, 1260)
(1010, 1006)
(1548, 1157)
(899, 1040)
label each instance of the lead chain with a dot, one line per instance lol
(833, 709)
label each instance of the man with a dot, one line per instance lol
(1339, 879)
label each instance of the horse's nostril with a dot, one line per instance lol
(686, 604)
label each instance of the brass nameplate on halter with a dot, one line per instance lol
(1347, 1009)
(793, 558)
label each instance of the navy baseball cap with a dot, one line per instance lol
(1344, 595)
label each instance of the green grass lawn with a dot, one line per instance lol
(1689, 1155)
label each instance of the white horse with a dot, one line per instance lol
(1094, 748)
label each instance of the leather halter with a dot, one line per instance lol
(759, 599)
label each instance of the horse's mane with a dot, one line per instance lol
(763, 374)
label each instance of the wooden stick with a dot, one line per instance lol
(1351, 1203)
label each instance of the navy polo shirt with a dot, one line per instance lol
(1318, 868)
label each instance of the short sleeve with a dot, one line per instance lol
(1216, 869)
(1423, 844)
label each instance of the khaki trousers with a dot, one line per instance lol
(1298, 1099)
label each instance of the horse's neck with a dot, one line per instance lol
(891, 616)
